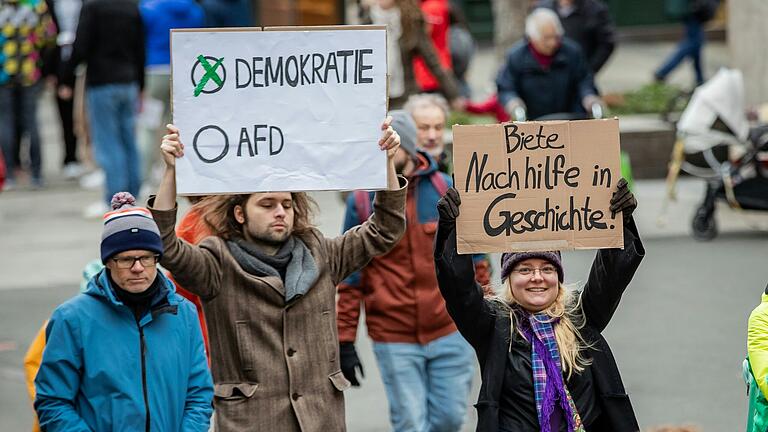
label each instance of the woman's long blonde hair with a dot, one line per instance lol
(566, 312)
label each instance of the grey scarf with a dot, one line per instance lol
(294, 259)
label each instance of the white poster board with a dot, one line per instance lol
(289, 109)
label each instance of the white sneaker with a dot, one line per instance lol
(9, 185)
(95, 210)
(93, 180)
(73, 170)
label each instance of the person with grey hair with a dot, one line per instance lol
(430, 112)
(588, 23)
(546, 73)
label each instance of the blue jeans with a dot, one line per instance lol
(690, 46)
(427, 385)
(112, 111)
(26, 117)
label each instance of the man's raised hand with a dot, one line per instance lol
(171, 147)
(390, 140)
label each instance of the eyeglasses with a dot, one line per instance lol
(528, 271)
(129, 262)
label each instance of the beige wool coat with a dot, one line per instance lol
(275, 365)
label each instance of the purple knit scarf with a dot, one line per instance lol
(548, 385)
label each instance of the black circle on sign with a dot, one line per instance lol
(223, 79)
(226, 144)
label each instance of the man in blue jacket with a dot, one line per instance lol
(128, 353)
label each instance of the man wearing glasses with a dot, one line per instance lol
(128, 353)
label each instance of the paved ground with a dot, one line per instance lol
(678, 335)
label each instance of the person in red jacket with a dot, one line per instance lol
(437, 18)
(426, 365)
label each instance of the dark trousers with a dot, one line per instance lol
(66, 113)
(689, 47)
(18, 105)
(18, 133)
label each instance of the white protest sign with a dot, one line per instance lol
(288, 110)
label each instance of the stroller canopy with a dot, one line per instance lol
(722, 97)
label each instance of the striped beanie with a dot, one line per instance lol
(128, 227)
(510, 259)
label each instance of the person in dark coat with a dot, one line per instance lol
(544, 364)
(588, 23)
(110, 41)
(545, 73)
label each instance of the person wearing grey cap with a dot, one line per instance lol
(426, 366)
(545, 364)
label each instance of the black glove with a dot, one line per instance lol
(448, 206)
(350, 361)
(623, 200)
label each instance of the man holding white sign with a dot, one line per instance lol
(267, 279)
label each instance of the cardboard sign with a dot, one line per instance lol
(537, 186)
(286, 109)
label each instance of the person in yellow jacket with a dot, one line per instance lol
(756, 366)
(34, 355)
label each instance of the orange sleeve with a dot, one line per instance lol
(32, 360)
(191, 230)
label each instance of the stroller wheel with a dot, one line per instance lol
(704, 225)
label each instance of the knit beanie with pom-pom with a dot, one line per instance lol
(128, 227)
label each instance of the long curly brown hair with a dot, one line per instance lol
(217, 214)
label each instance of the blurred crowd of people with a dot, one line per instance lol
(112, 115)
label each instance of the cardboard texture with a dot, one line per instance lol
(537, 186)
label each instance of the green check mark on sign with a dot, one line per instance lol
(210, 73)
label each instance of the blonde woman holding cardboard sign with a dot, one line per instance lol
(545, 365)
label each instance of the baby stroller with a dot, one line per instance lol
(713, 118)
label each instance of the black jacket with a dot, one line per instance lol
(558, 89)
(488, 330)
(110, 40)
(590, 26)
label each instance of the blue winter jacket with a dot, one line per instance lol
(159, 17)
(101, 371)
